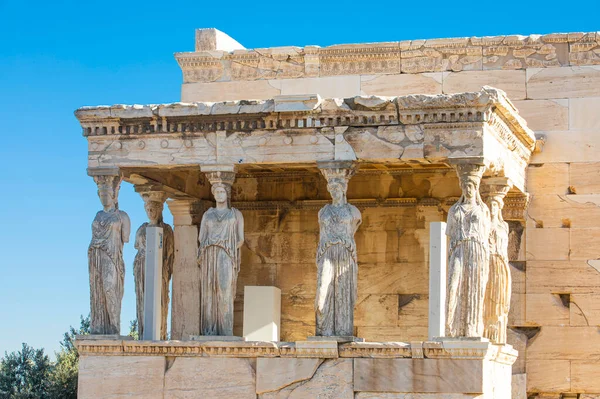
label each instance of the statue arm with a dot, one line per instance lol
(170, 249)
(240, 228)
(201, 235)
(357, 216)
(138, 237)
(126, 227)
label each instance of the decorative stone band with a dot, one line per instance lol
(409, 131)
(301, 112)
(301, 349)
(412, 56)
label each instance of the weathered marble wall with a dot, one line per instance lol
(288, 370)
(281, 243)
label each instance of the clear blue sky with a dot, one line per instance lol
(56, 56)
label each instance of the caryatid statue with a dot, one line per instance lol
(468, 264)
(220, 240)
(497, 295)
(110, 231)
(153, 204)
(337, 263)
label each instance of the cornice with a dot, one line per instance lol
(292, 114)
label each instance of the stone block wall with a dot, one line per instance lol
(288, 370)
(281, 242)
(554, 81)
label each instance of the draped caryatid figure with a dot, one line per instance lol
(153, 204)
(220, 239)
(468, 264)
(497, 296)
(337, 263)
(110, 231)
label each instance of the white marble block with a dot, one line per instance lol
(153, 283)
(262, 313)
(437, 279)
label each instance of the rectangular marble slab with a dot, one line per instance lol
(418, 375)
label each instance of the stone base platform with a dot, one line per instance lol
(286, 370)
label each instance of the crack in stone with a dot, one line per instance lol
(587, 322)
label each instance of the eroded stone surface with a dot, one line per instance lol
(112, 377)
(278, 373)
(332, 380)
(218, 378)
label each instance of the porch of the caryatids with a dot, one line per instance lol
(185, 307)
(110, 231)
(468, 256)
(220, 240)
(154, 200)
(337, 261)
(498, 291)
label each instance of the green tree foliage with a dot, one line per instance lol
(29, 373)
(25, 374)
(63, 379)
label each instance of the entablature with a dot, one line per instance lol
(480, 126)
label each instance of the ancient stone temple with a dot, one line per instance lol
(423, 216)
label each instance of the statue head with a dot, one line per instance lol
(108, 191)
(470, 177)
(495, 204)
(220, 192)
(154, 210)
(337, 188)
(470, 187)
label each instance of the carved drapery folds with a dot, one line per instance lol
(110, 231)
(154, 200)
(498, 291)
(468, 263)
(221, 237)
(337, 263)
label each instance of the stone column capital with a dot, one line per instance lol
(495, 187)
(154, 200)
(106, 171)
(187, 211)
(337, 169)
(220, 173)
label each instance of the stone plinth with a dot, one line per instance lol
(265, 370)
(262, 313)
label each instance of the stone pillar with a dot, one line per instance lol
(337, 260)
(185, 308)
(110, 231)
(152, 283)
(468, 256)
(437, 279)
(498, 291)
(220, 240)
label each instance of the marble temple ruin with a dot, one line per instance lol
(310, 190)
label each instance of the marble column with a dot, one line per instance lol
(185, 309)
(110, 231)
(468, 256)
(337, 260)
(219, 254)
(498, 291)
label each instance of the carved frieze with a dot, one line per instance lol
(412, 56)
(429, 349)
(360, 59)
